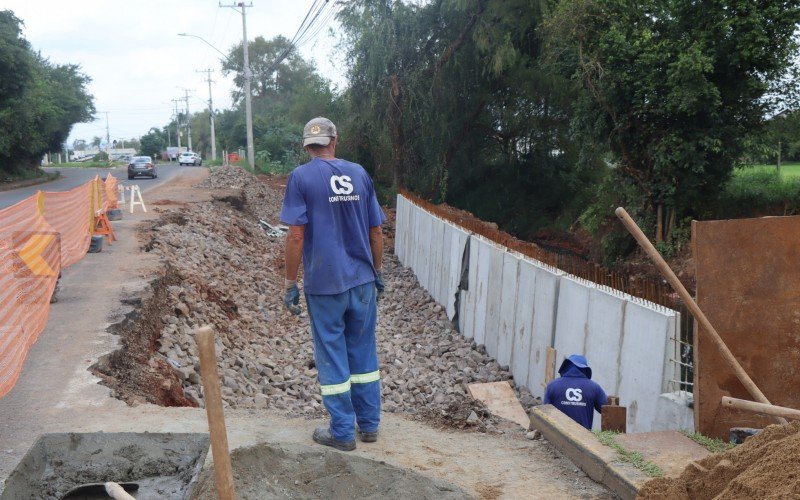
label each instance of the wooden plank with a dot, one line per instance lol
(550, 366)
(614, 418)
(501, 400)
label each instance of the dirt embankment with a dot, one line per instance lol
(135, 373)
(764, 466)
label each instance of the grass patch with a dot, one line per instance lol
(756, 192)
(791, 169)
(632, 457)
(713, 445)
(86, 164)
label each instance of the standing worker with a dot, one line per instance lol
(575, 393)
(334, 222)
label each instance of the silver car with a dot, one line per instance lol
(190, 158)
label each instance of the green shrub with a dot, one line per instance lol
(753, 193)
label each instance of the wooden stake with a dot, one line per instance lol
(216, 418)
(550, 366)
(706, 325)
(752, 406)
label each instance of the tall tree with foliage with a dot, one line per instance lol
(39, 101)
(672, 88)
(287, 92)
(448, 99)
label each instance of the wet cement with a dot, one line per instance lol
(164, 465)
(272, 471)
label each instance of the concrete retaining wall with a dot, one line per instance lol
(518, 307)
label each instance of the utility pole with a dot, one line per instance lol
(178, 124)
(247, 77)
(211, 114)
(108, 139)
(188, 120)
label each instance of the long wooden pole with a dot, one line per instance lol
(752, 406)
(216, 418)
(706, 325)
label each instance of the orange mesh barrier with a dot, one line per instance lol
(29, 267)
(38, 237)
(71, 213)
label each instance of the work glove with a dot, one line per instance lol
(291, 298)
(379, 286)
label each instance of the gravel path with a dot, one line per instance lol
(230, 273)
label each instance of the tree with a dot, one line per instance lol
(672, 88)
(277, 68)
(154, 142)
(39, 101)
(448, 99)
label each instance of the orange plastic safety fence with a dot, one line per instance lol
(71, 213)
(29, 267)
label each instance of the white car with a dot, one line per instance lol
(190, 158)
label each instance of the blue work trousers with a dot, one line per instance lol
(346, 356)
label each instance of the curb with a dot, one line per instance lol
(581, 446)
(9, 186)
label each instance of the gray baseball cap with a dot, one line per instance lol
(318, 131)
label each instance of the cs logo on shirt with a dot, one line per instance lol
(341, 184)
(574, 394)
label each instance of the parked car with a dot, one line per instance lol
(142, 165)
(190, 158)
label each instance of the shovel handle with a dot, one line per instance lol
(701, 318)
(216, 418)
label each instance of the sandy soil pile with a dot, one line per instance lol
(765, 466)
(296, 471)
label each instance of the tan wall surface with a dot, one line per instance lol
(748, 284)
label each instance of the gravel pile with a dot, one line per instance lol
(231, 277)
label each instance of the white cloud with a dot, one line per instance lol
(138, 63)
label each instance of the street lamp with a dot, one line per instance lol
(248, 108)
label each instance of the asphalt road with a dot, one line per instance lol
(73, 177)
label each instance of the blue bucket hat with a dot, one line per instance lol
(578, 362)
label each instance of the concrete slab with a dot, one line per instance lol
(493, 298)
(670, 450)
(508, 306)
(581, 446)
(523, 324)
(501, 401)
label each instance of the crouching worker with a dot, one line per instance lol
(334, 226)
(575, 393)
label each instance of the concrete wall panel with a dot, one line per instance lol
(545, 301)
(605, 332)
(458, 239)
(436, 270)
(400, 229)
(641, 363)
(484, 251)
(523, 322)
(572, 318)
(470, 296)
(493, 298)
(508, 306)
(424, 254)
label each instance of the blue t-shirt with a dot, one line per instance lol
(336, 202)
(576, 396)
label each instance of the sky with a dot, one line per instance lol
(137, 62)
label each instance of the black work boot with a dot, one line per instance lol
(368, 437)
(322, 435)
